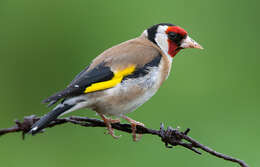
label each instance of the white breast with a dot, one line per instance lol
(130, 94)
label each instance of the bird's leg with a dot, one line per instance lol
(108, 122)
(133, 125)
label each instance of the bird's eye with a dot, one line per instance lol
(172, 35)
(175, 37)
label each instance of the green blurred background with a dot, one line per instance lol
(215, 92)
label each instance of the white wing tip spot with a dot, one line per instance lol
(35, 128)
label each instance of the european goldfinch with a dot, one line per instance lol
(122, 78)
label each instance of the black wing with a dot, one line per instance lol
(142, 71)
(84, 79)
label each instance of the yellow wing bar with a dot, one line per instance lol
(118, 76)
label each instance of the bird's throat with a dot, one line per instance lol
(173, 49)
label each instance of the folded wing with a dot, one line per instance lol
(83, 80)
(127, 60)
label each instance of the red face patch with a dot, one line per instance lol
(173, 47)
(177, 30)
(172, 51)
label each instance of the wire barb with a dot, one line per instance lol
(171, 137)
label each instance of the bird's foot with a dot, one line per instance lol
(133, 125)
(112, 121)
(108, 122)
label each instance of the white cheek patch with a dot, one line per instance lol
(145, 33)
(161, 39)
(162, 29)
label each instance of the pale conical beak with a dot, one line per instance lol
(190, 43)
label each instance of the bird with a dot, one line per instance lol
(122, 78)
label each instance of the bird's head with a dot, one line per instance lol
(170, 38)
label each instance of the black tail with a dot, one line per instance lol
(46, 119)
